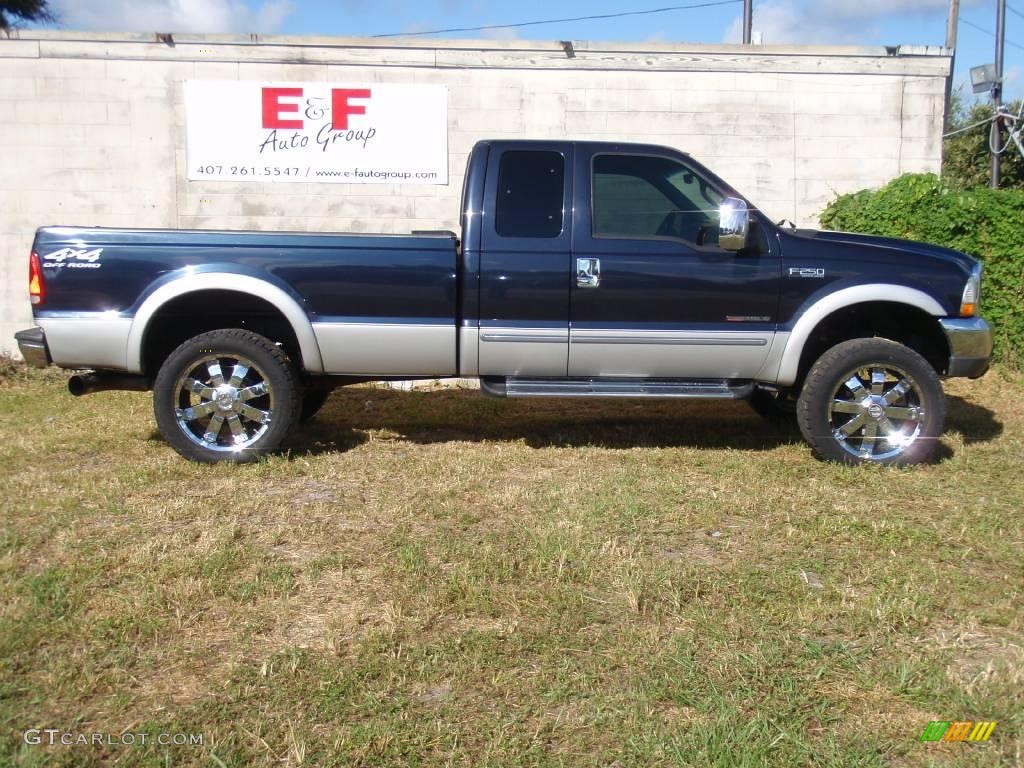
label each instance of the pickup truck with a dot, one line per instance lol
(583, 269)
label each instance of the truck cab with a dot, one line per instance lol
(604, 260)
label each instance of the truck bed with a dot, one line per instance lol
(358, 291)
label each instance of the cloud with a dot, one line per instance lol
(208, 16)
(831, 21)
(871, 9)
(787, 22)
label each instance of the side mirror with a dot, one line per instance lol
(733, 224)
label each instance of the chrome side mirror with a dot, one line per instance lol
(733, 224)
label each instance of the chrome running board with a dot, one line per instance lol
(711, 389)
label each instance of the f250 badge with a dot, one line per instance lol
(73, 257)
(806, 272)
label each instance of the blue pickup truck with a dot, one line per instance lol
(583, 269)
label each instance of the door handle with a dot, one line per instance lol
(588, 273)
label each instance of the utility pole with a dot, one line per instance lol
(748, 20)
(997, 91)
(952, 23)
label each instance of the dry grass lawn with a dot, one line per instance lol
(443, 579)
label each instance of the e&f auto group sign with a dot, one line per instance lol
(376, 133)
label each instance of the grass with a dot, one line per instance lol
(442, 579)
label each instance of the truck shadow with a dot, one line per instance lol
(355, 415)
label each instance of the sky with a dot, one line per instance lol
(856, 22)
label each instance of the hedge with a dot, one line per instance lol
(985, 223)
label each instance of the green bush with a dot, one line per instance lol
(985, 223)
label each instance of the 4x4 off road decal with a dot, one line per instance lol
(73, 257)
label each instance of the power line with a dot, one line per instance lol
(980, 28)
(1011, 9)
(559, 21)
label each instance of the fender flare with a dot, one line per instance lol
(847, 297)
(225, 281)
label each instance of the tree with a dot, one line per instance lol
(966, 160)
(15, 11)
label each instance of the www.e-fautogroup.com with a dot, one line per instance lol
(55, 737)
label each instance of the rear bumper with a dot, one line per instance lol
(970, 346)
(32, 345)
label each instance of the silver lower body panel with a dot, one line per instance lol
(524, 351)
(668, 354)
(373, 349)
(88, 341)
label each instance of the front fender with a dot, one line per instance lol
(816, 312)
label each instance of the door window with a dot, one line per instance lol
(637, 196)
(530, 190)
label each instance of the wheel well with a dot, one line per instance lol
(910, 326)
(189, 315)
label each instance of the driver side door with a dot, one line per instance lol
(653, 295)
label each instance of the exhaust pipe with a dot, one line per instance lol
(87, 383)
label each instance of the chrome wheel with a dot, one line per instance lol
(876, 413)
(224, 403)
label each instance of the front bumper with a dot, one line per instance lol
(970, 346)
(32, 344)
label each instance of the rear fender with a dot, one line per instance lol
(226, 281)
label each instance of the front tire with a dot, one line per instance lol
(226, 395)
(872, 401)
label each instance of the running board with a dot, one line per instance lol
(717, 389)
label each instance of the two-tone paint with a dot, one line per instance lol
(493, 306)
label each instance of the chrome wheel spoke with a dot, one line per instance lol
(904, 414)
(256, 390)
(254, 414)
(870, 437)
(238, 373)
(856, 386)
(196, 411)
(215, 373)
(877, 381)
(850, 427)
(237, 430)
(846, 406)
(888, 428)
(213, 428)
(198, 388)
(894, 394)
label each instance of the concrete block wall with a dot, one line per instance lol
(93, 126)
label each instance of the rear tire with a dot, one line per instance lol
(872, 401)
(226, 395)
(312, 401)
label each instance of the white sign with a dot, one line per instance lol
(343, 133)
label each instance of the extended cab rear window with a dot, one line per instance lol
(530, 188)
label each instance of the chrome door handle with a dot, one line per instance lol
(588, 273)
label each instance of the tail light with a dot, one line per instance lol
(36, 291)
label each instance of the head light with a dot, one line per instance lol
(972, 294)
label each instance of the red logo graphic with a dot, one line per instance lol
(276, 111)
